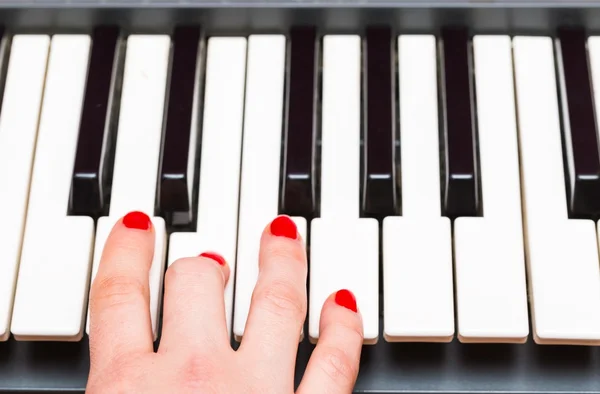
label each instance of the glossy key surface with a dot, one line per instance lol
(179, 146)
(489, 255)
(418, 292)
(137, 154)
(299, 177)
(562, 253)
(19, 119)
(343, 246)
(52, 286)
(460, 181)
(220, 161)
(579, 122)
(98, 120)
(259, 186)
(379, 188)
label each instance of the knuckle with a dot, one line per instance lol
(183, 266)
(120, 375)
(110, 384)
(117, 290)
(197, 373)
(282, 299)
(121, 368)
(352, 331)
(283, 253)
(188, 270)
(121, 250)
(338, 366)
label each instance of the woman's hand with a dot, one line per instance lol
(195, 353)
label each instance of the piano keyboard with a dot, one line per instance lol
(451, 180)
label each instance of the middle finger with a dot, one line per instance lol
(194, 307)
(278, 307)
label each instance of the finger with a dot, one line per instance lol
(194, 305)
(333, 365)
(119, 299)
(278, 307)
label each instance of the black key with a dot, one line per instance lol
(579, 123)
(175, 195)
(379, 188)
(299, 186)
(5, 43)
(460, 184)
(98, 124)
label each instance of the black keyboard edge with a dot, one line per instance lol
(257, 17)
(386, 368)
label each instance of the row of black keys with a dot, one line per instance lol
(380, 190)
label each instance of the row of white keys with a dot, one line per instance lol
(216, 228)
(344, 247)
(137, 152)
(417, 248)
(261, 163)
(18, 132)
(491, 290)
(53, 279)
(562, 254)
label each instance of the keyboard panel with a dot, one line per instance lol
(243, 17)
(385, 368)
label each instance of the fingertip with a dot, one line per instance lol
(283, 226)
(137, 220)
(214, 257)
(283, 240)
(132, 234)
(346, 299)
(341, 307)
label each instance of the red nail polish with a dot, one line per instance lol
(346, 299)
(283, 226)
(214, 256)
(137, 220)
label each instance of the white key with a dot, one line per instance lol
(138, 151)
(216, 228)
(259, 193)
(53, 280)
(562, 254)
(594, 59)
(246, 280)
(344, 248)
(19, 119)
(417, 248)
(491, 290)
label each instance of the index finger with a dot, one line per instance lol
(120, 320)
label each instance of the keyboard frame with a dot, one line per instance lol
(235, 16)
(386, 368)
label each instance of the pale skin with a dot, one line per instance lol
(195, 355)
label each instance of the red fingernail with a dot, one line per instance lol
(214, 256)
(283, 226)
(137, 220)
(346, 299)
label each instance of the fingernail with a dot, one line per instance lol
(283, 226)
(346, 299)
(138, 220)
(214, 256)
